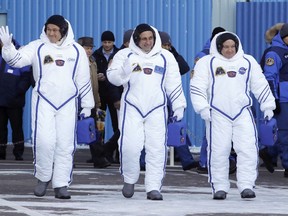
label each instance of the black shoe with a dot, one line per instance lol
(286, 173)
(62, 193)
(219, 195)
(18, 158)
(274, 164)
(263, 154)
(89, 160)
(112, 160)
(247, 193)
(232, 166)
(154, 195)
(3, 154)
(193, 165)
(202, 170)
(102, 163)
(128, 190)
(40, 189)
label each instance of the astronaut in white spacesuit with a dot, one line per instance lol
(220, 92)
(149, 75)
(61, 72)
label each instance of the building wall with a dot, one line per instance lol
(253, 19)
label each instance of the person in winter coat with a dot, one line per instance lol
(109, 95)
(14, 82)
(96, 149)
(275, 68)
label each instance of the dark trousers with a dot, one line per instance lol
(96, 148)
(112, 144)
(15, 116)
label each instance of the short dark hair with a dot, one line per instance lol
(224, 37)
(141, 28)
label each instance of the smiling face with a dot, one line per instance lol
(53, 33)
(229, 49)
(107, 46)
(146, 41)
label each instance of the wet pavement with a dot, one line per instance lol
(98, 192)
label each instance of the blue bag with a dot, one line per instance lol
(268, 132)
(176, 133)
(86, 130)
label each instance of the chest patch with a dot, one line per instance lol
(60, 62)
(231, 74)
(136, 68)
(147, 71)
(48, 59)
(219, 71)
(242, 70)
(159, 69)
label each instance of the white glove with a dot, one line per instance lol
(268, 114)
(5, 37)
(86, 112)
(179, 113)
(206, 114)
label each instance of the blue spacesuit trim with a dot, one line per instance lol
(14, 60)
(255, 134)
(35, 135)
(165, 143)
(85, 90)
(209, 156)
(121, 138)
(40, 77)
(75, 141)
(246, 92)
(162, 88)
(176, 93)
(264, 94)
(195, 90)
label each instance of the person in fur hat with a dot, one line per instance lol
(275, 66)
(272, 31)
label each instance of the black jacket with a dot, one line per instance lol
(183, 65)
(14, 82)
(106, 89)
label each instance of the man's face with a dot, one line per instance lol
(146, 42)
(53, 33)
(229, 49)
(166, 46)
(89, 50)
(107, 45)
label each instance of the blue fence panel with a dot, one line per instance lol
(253, 19)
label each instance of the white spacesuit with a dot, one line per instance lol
(61, 73)
(220, 92)
(148, 78)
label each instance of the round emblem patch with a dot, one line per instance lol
(269, 61)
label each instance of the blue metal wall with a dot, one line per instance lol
(253, 19)
(187, 21)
